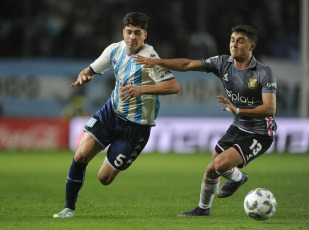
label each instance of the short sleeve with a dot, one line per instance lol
(103, 63)
(212, 64)
(158, 73)
(268, 81)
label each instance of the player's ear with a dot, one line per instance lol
(145, 35)
(252, 47)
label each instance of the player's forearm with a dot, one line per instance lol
(164, 88)
(258, 112)
(179, 64)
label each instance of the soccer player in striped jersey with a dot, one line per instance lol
(125, 120)
(251, 91)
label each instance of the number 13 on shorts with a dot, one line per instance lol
(255, 147)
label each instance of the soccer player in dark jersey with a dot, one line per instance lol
(251, 97)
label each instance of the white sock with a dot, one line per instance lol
(233, 175)
(208, 190)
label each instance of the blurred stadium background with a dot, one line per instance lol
(45, 43)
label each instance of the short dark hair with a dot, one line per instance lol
(249, 31)
(136, 19)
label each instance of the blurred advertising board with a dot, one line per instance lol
(190, 135)
(33, 133)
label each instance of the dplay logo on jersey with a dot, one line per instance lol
(238, 97)
(252, 84)
(274, 85)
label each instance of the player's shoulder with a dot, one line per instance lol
(226, 57)
(262, 67)
(148, 51)
(220, 58)
(117, 45)
(258, 65)
(114, 48)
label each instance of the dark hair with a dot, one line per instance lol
(249, 31)
(136, 19)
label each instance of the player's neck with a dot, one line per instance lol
(131, 52)
(242, 64)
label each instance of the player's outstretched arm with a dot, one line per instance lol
(163, 88)
(178, 64)
(84, 76)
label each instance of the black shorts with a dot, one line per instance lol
(249, 146)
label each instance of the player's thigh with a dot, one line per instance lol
(227, 159)
(236, 145)
(252, 146)
(87, 149)
(127, 145)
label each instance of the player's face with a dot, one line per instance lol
(134, 37)
(240, 47)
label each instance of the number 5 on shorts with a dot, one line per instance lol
(119, 160)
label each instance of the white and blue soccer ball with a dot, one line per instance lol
(260, 204)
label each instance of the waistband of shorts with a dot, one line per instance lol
(239, 130)
(127, 120)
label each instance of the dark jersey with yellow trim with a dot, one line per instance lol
(244, 88)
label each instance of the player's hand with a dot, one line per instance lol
(146, 62)
(129, 92)
(230, 107)
(83, 77)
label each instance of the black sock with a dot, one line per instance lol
(75, 181)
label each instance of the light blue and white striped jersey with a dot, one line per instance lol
(144, 108)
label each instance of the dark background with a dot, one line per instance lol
(78, 29)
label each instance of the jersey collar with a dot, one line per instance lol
(252, 63)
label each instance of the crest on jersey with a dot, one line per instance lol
(252, 84)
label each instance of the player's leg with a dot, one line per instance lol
(98, 133)
(107, 174)
(236, 153)
(211, 178)
(128, 142)
(209, 186)
(226, 164)
(87, 149)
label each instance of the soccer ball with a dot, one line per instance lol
(260, 204)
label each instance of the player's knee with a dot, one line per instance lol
(105, 180)
(80, 159)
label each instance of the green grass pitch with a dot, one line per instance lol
(149, 195)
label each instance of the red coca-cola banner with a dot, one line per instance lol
(22, 133)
